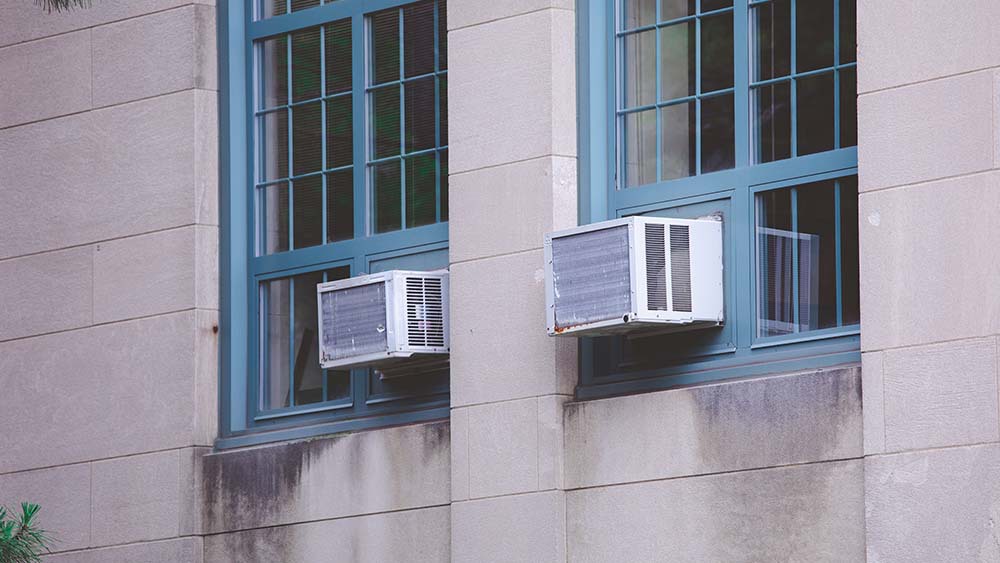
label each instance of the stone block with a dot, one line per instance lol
(460, 478)
(410, 535)
(180, 550)
(500, 349)
(529, 528)
(926, 131)
(920, 248)
(155, 54)
(509, 208)
(731, 426)
(465, 14)
(45, 78)
(46, 293)
(812, 513)
(550, 441)
(941, 395)
(503, 448)
(137, 498)
(934, 506)
(873, 402)
(344, 475)
(63, 493)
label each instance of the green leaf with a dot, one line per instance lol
(58, 6)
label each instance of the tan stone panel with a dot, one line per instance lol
(46, 293)
(45, 78)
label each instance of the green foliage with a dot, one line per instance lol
(21, 541)
(60, 5)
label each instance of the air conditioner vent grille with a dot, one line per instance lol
(425, 312)
(354, 321)
(656, 265)
(680, 267)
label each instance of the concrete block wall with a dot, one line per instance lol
(108, 272)
(930, 309)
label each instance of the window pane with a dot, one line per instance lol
(442, 35)
(419, 95)
(443, 175)
(384, 46)
(385, 121)
(271, 8)
(717, 52)
(303, 4)
(443, 108)
(679, 155)
(772, 122)
(850, 291)
(385, 187)
(274, 365)
(818, 257)
(274, 72)
(640, 68)
(848, 108)
(338, 382)
(340, 205)
(772, 40)
(339, 132)
(677, 61)
(306, 63)
(273, 145)
(273, 217)
(639, 13)
(848, 31)
(421, 196)
(718, 133)
(816, 123)
(307, 212)
(775, 240)
(640, 148)
(673, 9)
(308, 376)
(338, 57)
(814, 34)
(307, 138)
(418, 39)
(709, 5)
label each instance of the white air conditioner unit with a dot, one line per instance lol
(394, 321)
(634, 274)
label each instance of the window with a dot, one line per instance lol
(739, 108)
(336, 136)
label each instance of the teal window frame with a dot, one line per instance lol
(737, 351)
(372, 403)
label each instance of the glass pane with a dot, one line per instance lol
(640, 148)
(709, 5)
(308, 376)
(677, 64)
(775, 240)
(420, 126)
(718, 134)
(273, 205)
(385, 121)
(307, 212)
(673, 9)
(273, 145)
(443, 164)
(850, 291)
(848, 108)
(813, 34)
(339, 132)
(815, 126)
(340, 205)
(271, 8)
(848, 31)
(418, 39)
(306, 63)
(640, 68)
(443, 108)
(442, 35)
(639, 13)
(772, 122)
(772, 40)
(678, 154)
(303, 4)
(386, 196)
(338, 382)
(421, 196)
(307, 138)
(274, 72)
(817, 256)
(275, 361)
(717, 52)
(338, 57)
(384, 28)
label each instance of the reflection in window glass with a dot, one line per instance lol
(640, 148)
(679, 152)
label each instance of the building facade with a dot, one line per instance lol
(176, 177)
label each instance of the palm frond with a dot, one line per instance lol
(21, 541)
(60, 5)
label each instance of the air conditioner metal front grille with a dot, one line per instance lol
(425, 312)
(680, 267)
(656, 265)
(590, 277)
(354, 321)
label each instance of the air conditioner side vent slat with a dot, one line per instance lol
(680, 267)
(424, 312)
(656, 265)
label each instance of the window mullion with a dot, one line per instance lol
(402, 127)
(362, 133)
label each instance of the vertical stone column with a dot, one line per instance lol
(513, 177)
(930, 261)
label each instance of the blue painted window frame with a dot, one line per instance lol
(241, 270)
(742, 353)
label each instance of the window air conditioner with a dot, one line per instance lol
(634, 274)
(394, 321)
